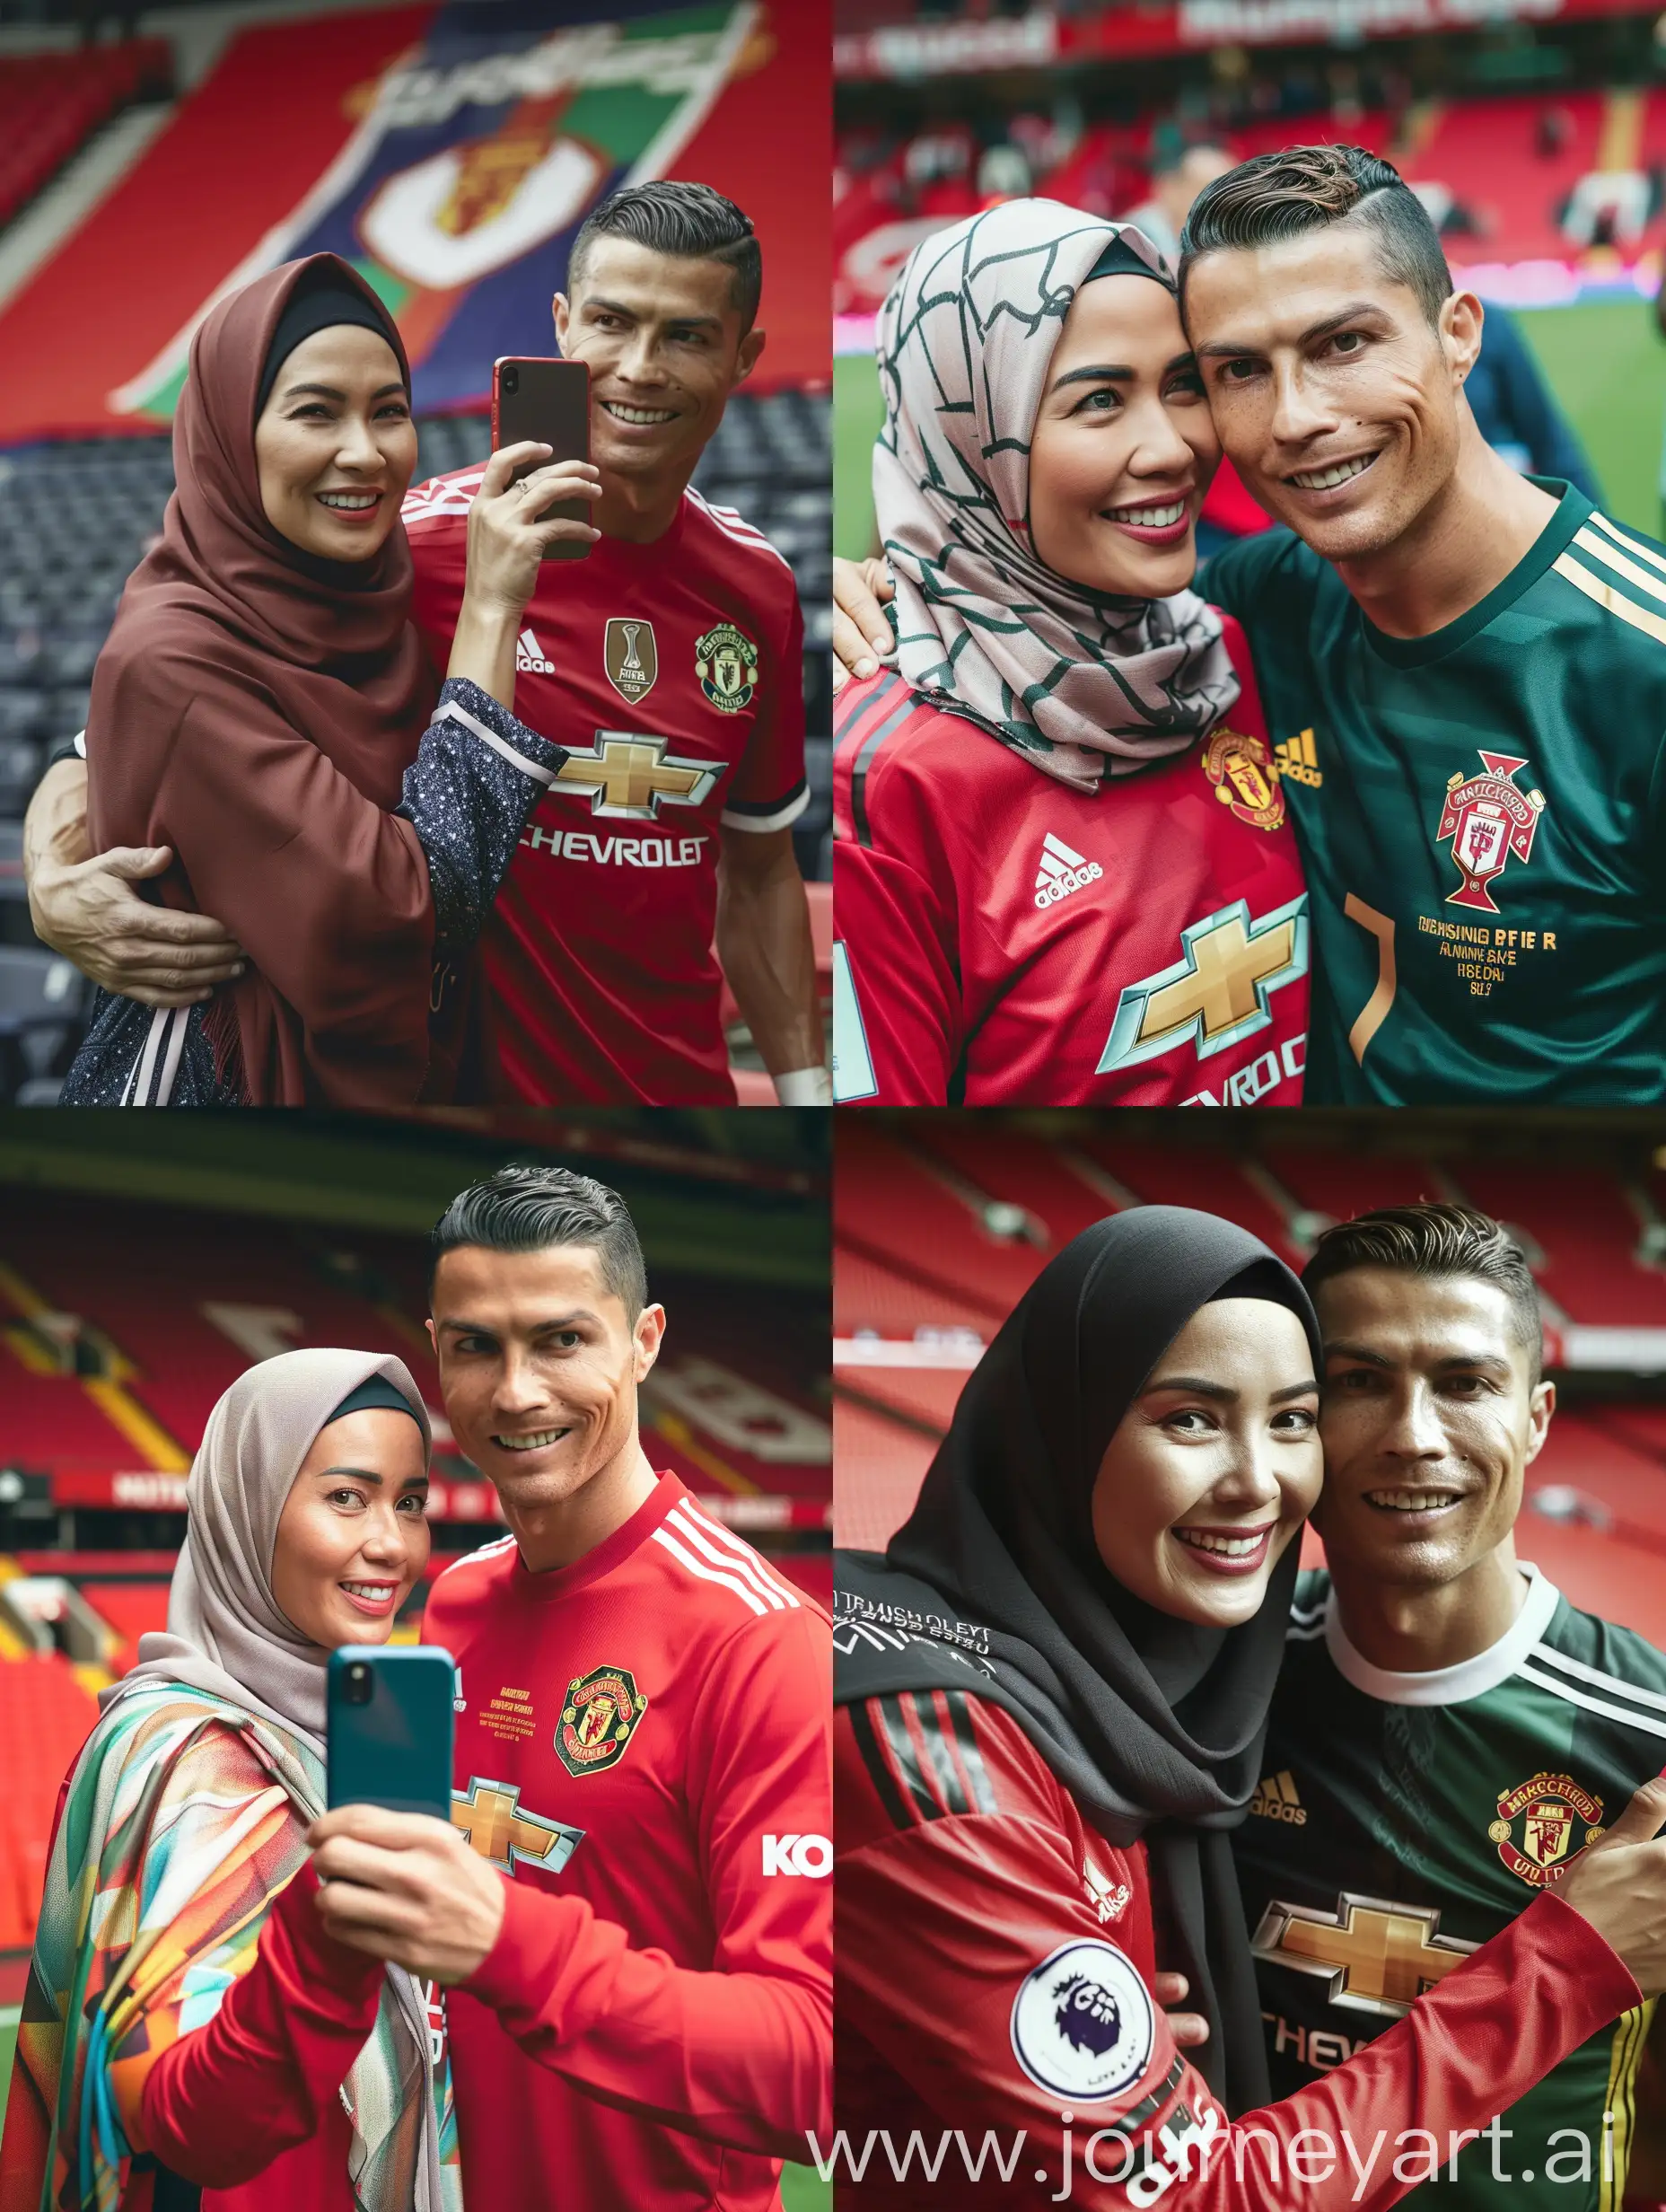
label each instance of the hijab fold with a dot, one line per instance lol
(1154, 1725)
(1083, 684)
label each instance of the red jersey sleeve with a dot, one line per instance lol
(898, 1019)
(740, 2055)
(435, 515)
(973, 1958)
(768, 790)
(223, 2102)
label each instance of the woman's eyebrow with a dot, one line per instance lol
(1310, 1389)
(360, 1474)
(1091, 377)
(329, 392)
(1194, 1385)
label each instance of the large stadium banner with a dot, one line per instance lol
(450, 155)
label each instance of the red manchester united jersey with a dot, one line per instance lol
(1007, 941)
(673, 673)
(643, 1750)
(995, 1978)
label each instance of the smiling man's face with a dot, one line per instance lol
(539, 1364)
(1430, 1417)
(1335, 398)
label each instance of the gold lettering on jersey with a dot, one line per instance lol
(1296, 759)
(598, 1719)
(1376, 1957)
(1487, 819)
(630, 656)
(1535, 1826)
(1482, 954)
(493, 1821)
(1244, 778)
(632, 775)
(508, 1716)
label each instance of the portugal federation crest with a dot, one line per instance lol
(1244, 776)
(1545, 1824)
(725, 660)
(1487, 818)
(598, 1719)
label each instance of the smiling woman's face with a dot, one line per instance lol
(1215, 1466)
(352, 1540)
(336, 446)
(1122, 448)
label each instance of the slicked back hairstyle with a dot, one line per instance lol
(529, 1209)
(1439, 1240)
(1279, 196)
(688, 220)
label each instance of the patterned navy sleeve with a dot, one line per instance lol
(477, 775)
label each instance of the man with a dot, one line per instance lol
(632, 1900)
(1464, 668)
(669, 663)
(1179, 172)
(1448, 1733)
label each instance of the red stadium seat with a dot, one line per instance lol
(45, 1718)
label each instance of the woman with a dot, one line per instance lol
(1062, 873)
(260, 705)
(187, 2019)
(1053, 1694)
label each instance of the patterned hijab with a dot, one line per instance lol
(1083, 684)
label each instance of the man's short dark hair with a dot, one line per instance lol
(529, 1209)
(1440, 1240)
(1279, 196)
(690, 220)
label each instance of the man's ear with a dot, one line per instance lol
(1543, 1404)
(434, 1335)
(649, 1334)
(1462, 318)
(746, 359)
(562, 308)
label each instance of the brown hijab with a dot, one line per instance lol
(256, 709)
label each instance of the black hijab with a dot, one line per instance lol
(1155, 1725)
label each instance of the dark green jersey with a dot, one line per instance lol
(1404, 1819)
(1479, 814)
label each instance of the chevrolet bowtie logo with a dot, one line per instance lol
(632, 775)
(1376, 1957)
(1218, 991)
(492, 1822)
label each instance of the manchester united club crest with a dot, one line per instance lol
(598, 1719)
(1244, 778)
(725, 660)
(630, 657)
(1545, 1824)
(1487, 818)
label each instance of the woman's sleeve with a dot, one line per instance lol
(299, 864)
(982, 1966)
(237, 2017)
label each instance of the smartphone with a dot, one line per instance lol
(548, 400)
(388, 1737)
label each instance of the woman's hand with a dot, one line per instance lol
(405, 1887)
(507, 540)
(861, 634)
(1619, 1884)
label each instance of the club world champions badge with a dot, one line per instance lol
(725, 660)
(631, 657)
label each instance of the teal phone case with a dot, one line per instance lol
(390, 1726)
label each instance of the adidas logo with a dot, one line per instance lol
(1062, 872)
(1275, 1799)
(1297, 759)
(530, 656)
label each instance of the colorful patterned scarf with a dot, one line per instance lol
(1082, 684)
(185, 1817)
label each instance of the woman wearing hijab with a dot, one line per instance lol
(188, 2020)
(263, 707)
(1052, 1695)
(1062, 871)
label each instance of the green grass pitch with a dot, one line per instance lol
(1604, 360)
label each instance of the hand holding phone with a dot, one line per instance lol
(547, 401)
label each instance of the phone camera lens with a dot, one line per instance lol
(512, 380)
(358, 1687)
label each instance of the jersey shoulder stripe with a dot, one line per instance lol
(892, 712)
(921, 1752)
(723, 1547)
(1562, 1686)
(735, 528)
(501, 1547)
(1624, 574)
(442, 495)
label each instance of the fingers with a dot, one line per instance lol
(506, 459)
(131, 862)
(853, 598)
(876, 575)
(562, 479)
(1643, 1818)
(375, 1824)
(850, 648)
(1170, 1990)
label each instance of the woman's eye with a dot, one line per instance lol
(413, 1506)
(1296, 1419)
(1188, 1422)
(349, 1499)
(1097, 403)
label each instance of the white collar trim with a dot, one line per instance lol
(1470, 1678)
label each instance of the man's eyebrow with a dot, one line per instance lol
(636, 314)
(559, 1321)
(1358, 311)
(1342, 1348)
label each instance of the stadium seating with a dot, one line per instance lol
(45, 1718)
(50, 104)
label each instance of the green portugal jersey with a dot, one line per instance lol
(1479, 815)
(1404, 1819)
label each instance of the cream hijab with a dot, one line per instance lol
(224, 1632)
(1083, 685)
